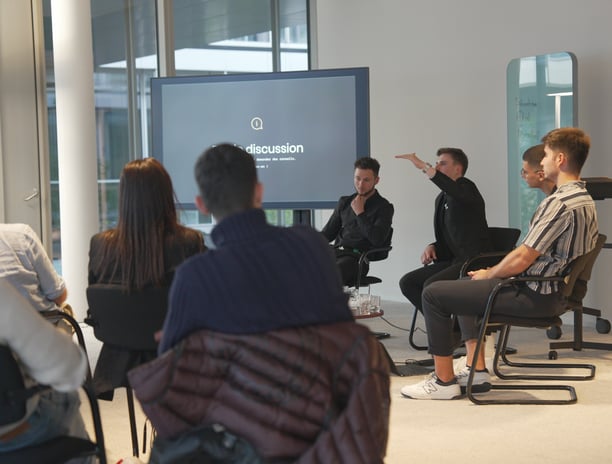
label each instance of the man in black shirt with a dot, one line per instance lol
(360, 221)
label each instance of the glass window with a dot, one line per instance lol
(210, 36)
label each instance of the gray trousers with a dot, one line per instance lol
(466, 297)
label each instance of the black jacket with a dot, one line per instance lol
(370, 229)
(460, 222)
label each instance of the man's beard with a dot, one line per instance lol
(367, 193)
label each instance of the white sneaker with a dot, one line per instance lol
(430, 389)
(480, 384)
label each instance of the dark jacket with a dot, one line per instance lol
(460, 221)
(114, 361)
(317, 394)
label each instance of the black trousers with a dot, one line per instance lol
(413, 283)
(468, 298)
(348, 265)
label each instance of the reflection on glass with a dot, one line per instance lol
(211, 37)
(540, 97)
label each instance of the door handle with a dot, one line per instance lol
(32, 195)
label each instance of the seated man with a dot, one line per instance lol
(252, 311)
(532, 172)
(563, 228)
(25, 264)
(49, 357)
(360, 221)
(460, 223)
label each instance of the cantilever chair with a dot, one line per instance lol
(127, 320)
(575, 304)
(13, 397)
(579, 268)
(503, 240)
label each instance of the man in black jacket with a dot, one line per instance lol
(460, 223)
(360, 221)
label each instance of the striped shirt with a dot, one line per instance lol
(563, 228)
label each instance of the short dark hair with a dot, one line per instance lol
(457, 155)
(574, 142)
(226, 176)
(368, 163)
(534, 155)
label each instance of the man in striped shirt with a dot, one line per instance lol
(563, 228)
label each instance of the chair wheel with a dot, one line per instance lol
(602, 325)
(554, 333)
(552, 355)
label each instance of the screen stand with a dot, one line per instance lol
(302, 217)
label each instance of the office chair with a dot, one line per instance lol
(13, 397)
(575, 304)
(503, 240)
(579, 268)
(127, 320)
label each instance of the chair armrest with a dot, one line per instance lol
(365, 259)
(488, 258)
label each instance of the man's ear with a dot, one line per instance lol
(201, 205)
(258, 195)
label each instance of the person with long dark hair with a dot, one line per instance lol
(143, 250)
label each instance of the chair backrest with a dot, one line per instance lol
(127, 319)
(378, 254)
(11, 408)
(14, 395)
(580, 272)
(503, 238)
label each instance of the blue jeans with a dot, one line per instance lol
(57, 414)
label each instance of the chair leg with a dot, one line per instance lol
(578, 343)
(132, 416)
(392, 366)
(412, 331)
(500, 353)
(482, 399)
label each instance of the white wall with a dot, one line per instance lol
(438, 78)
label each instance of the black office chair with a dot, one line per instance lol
(579, 268)
(575, 304)
(128, 320)
(13, 397)
(503, 240)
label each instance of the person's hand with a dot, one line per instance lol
(480, 274)
(418, 162)
(157, 336)
(358, 204)
(429, 255)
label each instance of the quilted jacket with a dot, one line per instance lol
(317, 394)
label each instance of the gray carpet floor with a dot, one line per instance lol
(459, 431)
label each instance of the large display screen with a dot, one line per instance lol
(305, 130)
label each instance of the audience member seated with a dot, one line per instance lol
(360, 221)
(49, 357)
(247, 320)
(25, 265)
(143, 250)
